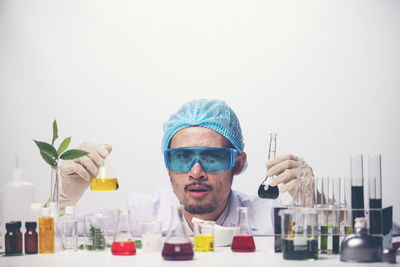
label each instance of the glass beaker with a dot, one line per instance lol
(124, 243)
(177, 245)
(243, 240)
(299, 233)
(151, 236)
(204, 236)
(94, 227)
(106, 179)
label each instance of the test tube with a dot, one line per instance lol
(357, 186)
(345, 206)
(321, 200)
(334, 198)
(375, 193)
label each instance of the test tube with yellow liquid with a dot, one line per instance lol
(204, 236)
(106, 180)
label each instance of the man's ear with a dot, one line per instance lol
(240, 163)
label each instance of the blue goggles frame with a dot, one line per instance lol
(211, 159)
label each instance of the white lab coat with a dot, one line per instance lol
(157, 206)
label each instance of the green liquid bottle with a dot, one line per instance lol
(324, 239)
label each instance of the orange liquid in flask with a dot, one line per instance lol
(104, 184)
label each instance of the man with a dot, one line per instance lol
(203, 151)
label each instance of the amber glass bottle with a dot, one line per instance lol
(31, 238)
(12, 240)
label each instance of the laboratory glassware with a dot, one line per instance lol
(151, 236)
(46, 232)
(243, 240)
(321, 206)
(13, 242)
(106, 179)
(69, 224)
(375, 194)
(94, 228)
(345, 207)
(124, 243)
(265, 190)
(299, 233)
(278, 229)
(31, 238)
(177, 245)
(334, 213)
(204, 236)
(357, 186)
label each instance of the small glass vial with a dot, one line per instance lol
(46, 232)
(243, 241)
(69, 229)
(12, 240)
(177, 246)
(31, 238)
(19, 234)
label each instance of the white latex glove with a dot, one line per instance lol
(77, 174)
(285, 169)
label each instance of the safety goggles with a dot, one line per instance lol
(211, 159)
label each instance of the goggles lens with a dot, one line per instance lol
(211, 159)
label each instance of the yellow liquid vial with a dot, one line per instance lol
(104, 184)
(46, 235)
(203, 243)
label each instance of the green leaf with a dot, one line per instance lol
(55, 132)
(52, 162)
(64, 145)
(47, 149)
(73, 154)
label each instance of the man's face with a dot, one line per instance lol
(201, 192)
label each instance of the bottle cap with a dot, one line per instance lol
(45, 212)
(18, 223)
(11, 226)
(29, 225)
(18, 175)
(70, 210)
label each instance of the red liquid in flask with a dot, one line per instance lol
(243, 243)
(123, 248)
(177, 252)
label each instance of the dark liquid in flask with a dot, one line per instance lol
(243, 243)
(126, 248)
(272, 192)
(375, 217)
(357, 201)
(177, 251)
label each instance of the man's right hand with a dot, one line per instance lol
(77, 174)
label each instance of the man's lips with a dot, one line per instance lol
(198, 189)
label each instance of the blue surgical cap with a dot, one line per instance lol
(212, 114)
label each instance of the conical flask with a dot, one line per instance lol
(106, 180)
(123, 244)
(243, 240)
(177, 245)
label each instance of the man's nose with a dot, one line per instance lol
(197, 172)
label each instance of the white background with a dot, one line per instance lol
(324, 75)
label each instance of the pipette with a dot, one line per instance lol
(265, 190)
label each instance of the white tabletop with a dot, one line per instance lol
(222, 256)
